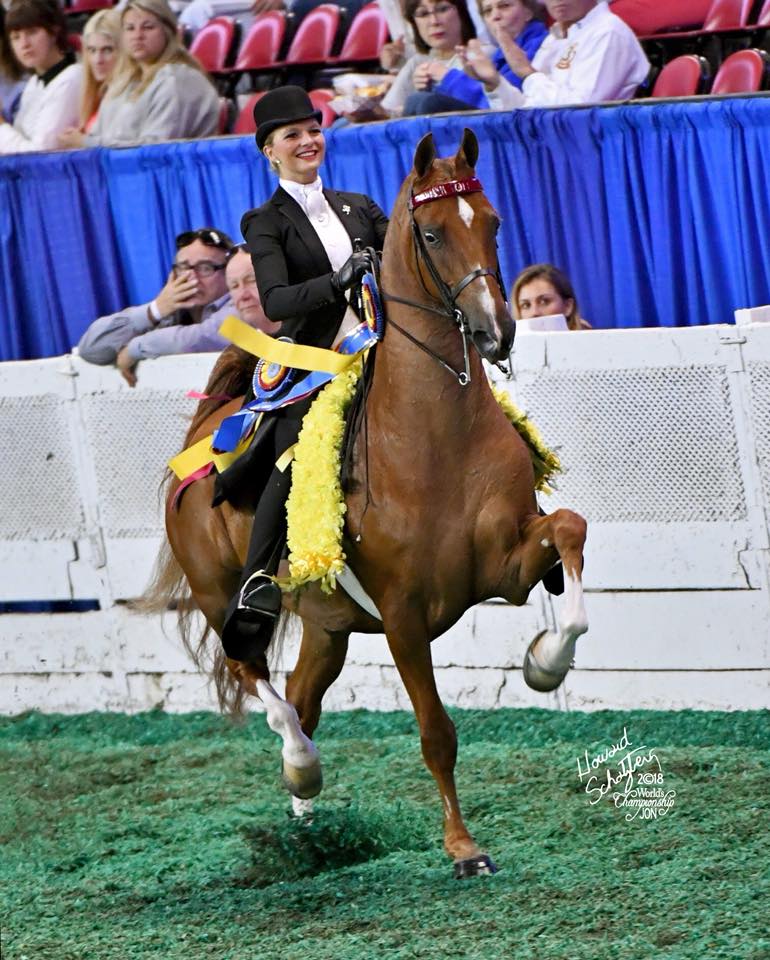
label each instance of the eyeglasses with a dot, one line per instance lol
(440, 10)
(206, 268)
(211, 238)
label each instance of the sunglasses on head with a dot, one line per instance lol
(237, 248)
(211, 238)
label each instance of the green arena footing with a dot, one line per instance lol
(169, 837)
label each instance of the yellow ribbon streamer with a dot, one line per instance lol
(285, 458)
(278, 351)
(193, 458)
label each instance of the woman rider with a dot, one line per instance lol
(304, 245)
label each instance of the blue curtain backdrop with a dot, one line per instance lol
(660, 213)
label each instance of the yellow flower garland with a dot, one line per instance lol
(316, 507)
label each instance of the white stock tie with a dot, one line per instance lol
(316, 204)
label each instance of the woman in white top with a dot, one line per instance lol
(158, 91)
(50, 102)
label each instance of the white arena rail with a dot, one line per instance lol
(665, 436)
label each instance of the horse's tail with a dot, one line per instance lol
(168, 590)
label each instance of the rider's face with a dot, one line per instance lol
(297, 150)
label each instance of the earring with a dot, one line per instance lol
(277, 163)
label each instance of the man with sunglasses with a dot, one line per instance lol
(184, 317)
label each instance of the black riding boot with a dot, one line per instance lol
(253, 611)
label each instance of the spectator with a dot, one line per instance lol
(158, 91)
(519, 20)
(439, 27)
(590, 56)
(49, 103)
(101, 47)
(184, 317)
(542, 290)
(242, 285)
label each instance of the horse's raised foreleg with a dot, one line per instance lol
(561, 535)
(412, 656)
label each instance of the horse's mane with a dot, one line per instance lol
(229, 379)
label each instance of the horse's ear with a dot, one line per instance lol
(424, 155)
(469, 148)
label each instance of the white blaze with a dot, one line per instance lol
(466, 211)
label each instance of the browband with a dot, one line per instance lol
(452, 188)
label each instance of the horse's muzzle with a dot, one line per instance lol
(495, 348)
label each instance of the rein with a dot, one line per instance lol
(448, 295)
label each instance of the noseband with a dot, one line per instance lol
(448, 294)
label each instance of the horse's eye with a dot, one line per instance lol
(431, 237)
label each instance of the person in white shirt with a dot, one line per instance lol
(158, 91)
(50, 102)
(589, 56)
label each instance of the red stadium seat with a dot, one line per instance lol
(320, 100)
(262, 43)
(743, 72)
(728, 15)
(366, 36)
(683, 76)
(722, 15)
(86, 6)
(646, 18)
(314, 40)
(245, 120)
(213, 45)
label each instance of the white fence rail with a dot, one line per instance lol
(665, 436)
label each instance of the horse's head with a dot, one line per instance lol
(454, 230)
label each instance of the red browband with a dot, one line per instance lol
(452, 188)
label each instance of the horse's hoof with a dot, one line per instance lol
(474, 867)
(544, 681)
(302, 782)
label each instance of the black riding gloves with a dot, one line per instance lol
(351, 271)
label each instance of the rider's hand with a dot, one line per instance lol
(176, 293)
(351, 271)
(127, 366)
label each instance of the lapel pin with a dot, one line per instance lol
(345, 209)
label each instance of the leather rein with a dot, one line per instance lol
(448, 294)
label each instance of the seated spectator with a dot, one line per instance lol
(589, 56)
(101, 47)
(439, 26)
(542, 290)
(520, 21)
(158, 91)
(184, 317)
(50, 101)
(242, 285)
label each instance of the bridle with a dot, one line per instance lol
(447, 294)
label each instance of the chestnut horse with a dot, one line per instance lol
(441, 511)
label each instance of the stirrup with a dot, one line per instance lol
(261, 594)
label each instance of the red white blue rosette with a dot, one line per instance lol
(371, 305)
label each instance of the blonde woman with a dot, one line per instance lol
(158, 91)
(101, 48)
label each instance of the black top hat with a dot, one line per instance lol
(282, 106)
